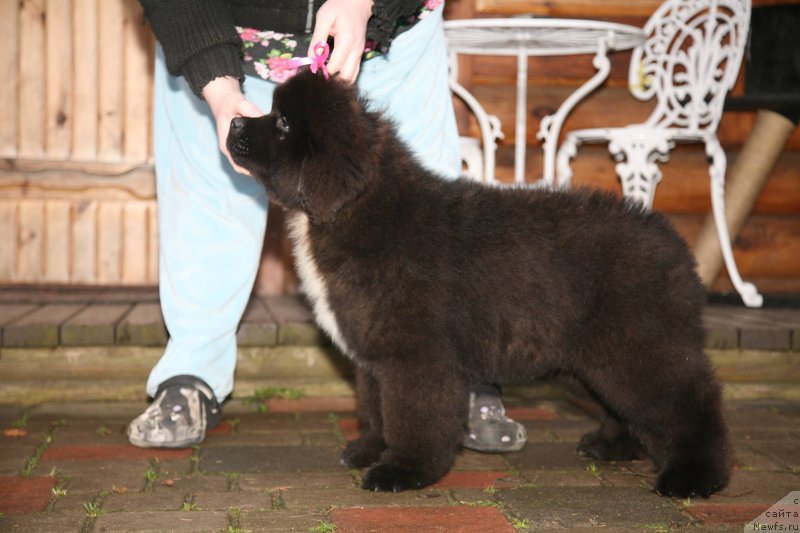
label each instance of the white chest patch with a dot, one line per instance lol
(313, 282)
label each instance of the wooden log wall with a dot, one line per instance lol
(77, 200)
(768, 248)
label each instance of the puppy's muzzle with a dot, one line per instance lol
(238, 141)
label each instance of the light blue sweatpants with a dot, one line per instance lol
(212, 220)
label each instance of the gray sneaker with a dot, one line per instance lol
(183, 408)
(488, 428)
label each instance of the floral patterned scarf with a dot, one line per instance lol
(266, 53)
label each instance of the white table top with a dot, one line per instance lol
(538, 36)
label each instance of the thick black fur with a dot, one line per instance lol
(438, 285)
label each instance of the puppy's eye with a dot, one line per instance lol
(282, 124)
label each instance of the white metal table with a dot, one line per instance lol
(533, 36)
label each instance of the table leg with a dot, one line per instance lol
(520, 140)
(550, 127)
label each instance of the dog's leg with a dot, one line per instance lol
(611, 442)
(697, 463)
(678, 420)
(423, 418)
(367, 448)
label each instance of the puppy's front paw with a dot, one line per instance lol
(692, 480)
(390, 478)
(363, 452)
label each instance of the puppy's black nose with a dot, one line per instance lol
(237, 123)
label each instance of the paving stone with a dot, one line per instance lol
(77, 432)
(291, 361)
(271, 459)
(349, 428)
(475, 497)
(303, 499)
(531, 413)
(183, 483)
(11, 312)
(720, 336)
(399, 519)
(264, 423)
(45, 387)
(559, 478)
(296, 324)
(285, 480)
(320, 439)
(757, 487)
(21, 495)
(638, 474)
(142, 326)
(469, 460)
(39, 327)
(43, 522)
(547, 508)
(785, 452)
(13, 455)
(222, 501)
(476, 480)
(762, 413)
(109, 453)
(755, 366)
(560, 430)
(78, 363)
(745, 458)
(326, 405)
(136, 502)
(160, 521)
(84, 479)
(738, 514)
(93, 325)
(272, 438)
(280, 521)
(257, 327)
(547, 455)
(755, 337)
(536, 433)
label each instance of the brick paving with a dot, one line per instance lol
(67, 467)
(273, 463)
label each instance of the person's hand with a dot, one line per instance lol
(345, 21)
(225, 98)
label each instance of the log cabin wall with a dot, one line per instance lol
(77, 196)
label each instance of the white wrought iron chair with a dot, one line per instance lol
(688, 63)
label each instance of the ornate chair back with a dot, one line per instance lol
(689, 61)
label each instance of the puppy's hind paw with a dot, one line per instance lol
(691, 480)
(598, 446)
(390, 478)
(363, 452)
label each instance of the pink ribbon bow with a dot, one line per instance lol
(317, 62)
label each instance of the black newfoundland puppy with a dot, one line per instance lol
(431, 286)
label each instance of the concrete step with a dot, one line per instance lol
(100, 344)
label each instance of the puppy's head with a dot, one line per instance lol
(312, 151)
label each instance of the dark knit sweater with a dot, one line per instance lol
(201, 43)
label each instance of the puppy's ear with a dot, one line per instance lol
(331, 178)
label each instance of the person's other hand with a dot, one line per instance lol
(345, 21)
(225, 98)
